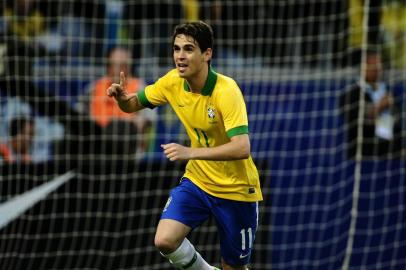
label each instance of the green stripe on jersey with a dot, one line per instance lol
(206, 139)
(198, 136)
(237, 131)
(143, 99)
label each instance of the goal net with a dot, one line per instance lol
(82, 186)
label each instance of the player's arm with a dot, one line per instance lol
(239, 147)
(127, 102)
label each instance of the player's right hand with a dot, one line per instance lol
(118, 91)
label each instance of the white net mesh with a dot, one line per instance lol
(322, 208)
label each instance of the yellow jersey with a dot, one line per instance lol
(210, 118)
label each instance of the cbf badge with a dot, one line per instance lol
(211, 112)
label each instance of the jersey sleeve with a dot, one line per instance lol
(234, 112)
(154, 95)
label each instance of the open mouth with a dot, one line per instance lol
(182, 67)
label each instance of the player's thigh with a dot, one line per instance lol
(187, 204)
(186, 208)
(237, 224)
(170, 234)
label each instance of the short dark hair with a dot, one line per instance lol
(17, 125)
(200, 31)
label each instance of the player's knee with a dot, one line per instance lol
(164, 244)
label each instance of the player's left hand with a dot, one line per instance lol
(174, 151)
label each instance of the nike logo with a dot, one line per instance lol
(16, 206)
(181, 105)
(243, 256)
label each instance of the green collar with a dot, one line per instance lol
(208, 85)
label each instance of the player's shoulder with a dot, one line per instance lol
(226, 81)
(173, 73)
(171, 76)
(170, 79)
(226, 85)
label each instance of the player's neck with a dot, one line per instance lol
(196, 84)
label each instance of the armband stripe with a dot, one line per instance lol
(143, 99)
(237, 131)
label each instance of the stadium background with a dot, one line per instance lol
(292, 60)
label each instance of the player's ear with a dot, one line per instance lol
(208, 53)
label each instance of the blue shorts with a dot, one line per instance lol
(237, 221)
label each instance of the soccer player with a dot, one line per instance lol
(221, 179)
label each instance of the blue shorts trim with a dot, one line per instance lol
(237, 221)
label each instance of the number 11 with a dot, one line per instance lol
(249, 231)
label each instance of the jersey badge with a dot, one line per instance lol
(211, 112)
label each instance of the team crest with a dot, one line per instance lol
(211, 112)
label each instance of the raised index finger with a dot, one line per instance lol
(122, 79)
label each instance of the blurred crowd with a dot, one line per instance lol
(103, 37)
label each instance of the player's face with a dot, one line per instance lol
(189, 59)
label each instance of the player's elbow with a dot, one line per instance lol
(245, 153)
(242, 146)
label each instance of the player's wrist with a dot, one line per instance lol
(124, 105)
